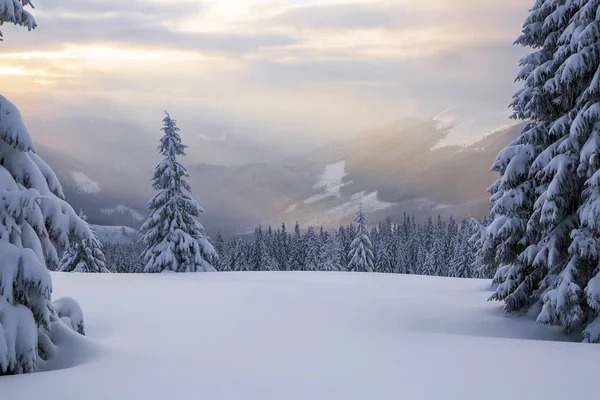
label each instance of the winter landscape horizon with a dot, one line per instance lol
(324, 199)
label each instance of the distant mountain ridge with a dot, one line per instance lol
(391, 170)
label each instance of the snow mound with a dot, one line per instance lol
(65, 349)
(288, 335)
(84, 183)
(116, 234)
(121, 209)
(69, 311)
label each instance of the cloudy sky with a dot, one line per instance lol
(318, 67)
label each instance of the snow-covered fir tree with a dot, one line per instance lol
(484, 264)
(344, 244)
(461, 264)
(451, 234)
(406, 257)
(384, 256)
(219, 246)
(439, 249)
(84, 255)
(228, 260)
(312, 250)
(331, 252)
(34, 217)
(282, 252)
(361, 249)
(543, 237)
(296, 250)
(173, 236)
(260, 259)
(15, 12)
(238, 257)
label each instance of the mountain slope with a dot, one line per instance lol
(391, 170)
(394, 169)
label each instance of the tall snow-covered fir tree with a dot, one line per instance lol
(84, 255)
(361, 249)
(173, 236)
(33, 218)
(544, 234)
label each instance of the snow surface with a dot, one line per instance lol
(330, 183)
(304, 336)
(335, 214)
(121, 209)
(116, 234)
(84, 183)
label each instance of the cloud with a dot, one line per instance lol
(137, 23)
(337, 64)
(348, 16)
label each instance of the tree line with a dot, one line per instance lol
(439, 247)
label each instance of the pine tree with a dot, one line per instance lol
(544, 232)
(390, 232)
(259, 251)
(260, 259)
(383, 263)
(384, 258)
(227, 264)
(451, 239)
(220, 261)
(297, 250)
(173, 236)
(312, 250)
(34, 217)
(361, 249)
(14, 12)
(440, 249)
(331, 252)
(239, 257)
(405, 251)
(344, 246)
(84, 255)
(283, 249)
(429, 263)
(462, 262)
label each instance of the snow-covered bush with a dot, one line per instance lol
(173, 236)
(69, 311)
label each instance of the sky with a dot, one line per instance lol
(312, 69)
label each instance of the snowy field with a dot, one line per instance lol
(304, 336)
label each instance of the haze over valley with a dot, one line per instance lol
(242, 182)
